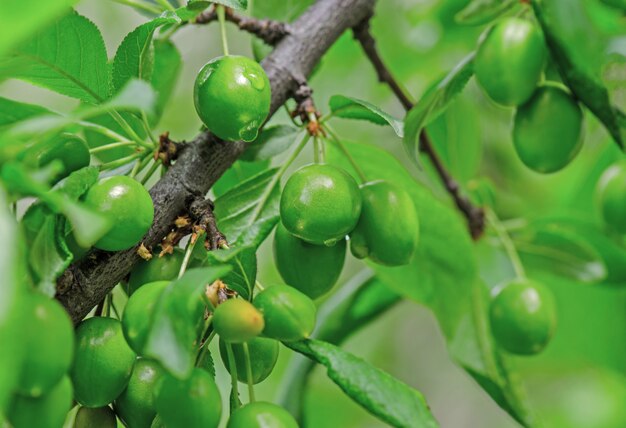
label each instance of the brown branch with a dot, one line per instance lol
(268, 30)
(202, 212)
(201, 162)
(475, 216)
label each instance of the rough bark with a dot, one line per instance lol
(205, 159)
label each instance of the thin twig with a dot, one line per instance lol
(268, 30)
(475, 215)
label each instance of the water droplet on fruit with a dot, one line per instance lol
(250, 131)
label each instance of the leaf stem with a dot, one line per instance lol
(346, 153)
(246, 353)
(150, 172)
(507, 243)
(233, 370)
(221, 15)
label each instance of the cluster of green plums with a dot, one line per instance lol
(548, 123)
(522, 315)
(320, 206)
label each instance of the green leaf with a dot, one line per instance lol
(172, 335)
(19, 19)
(248, 213)
(12, 112)
(433, 103)
(243, 263)
(136, 96)
(479, 12)
(555, 19)
(135, 55)
(356, 304)
(352, 108)
(68, 57)
(612, 254)
(238, 172)
(457, 139)
(48, 254)
(272, 141)
(89, 226)
(235, 4)
(384, 396)
(562, 252)
(167, 66)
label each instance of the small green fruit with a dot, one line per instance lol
(70, 149)
(98, 417)
(49, 342)
(103, 362)
(388, 229)
(263, 355)
(612, 196)
(194, 402)
(547, 130)
(237, 320)
(261, 414)
(289, 314)
(320, 204)
(510, 60)
(46, 411)
(137, 317)
(164, 268)
(135, 406)
(232, 95)
(523, 317)
(129, 207)
(312, 269)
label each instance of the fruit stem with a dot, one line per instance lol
(146, 125)
(246, 353)
(141, 164)
(506, 242)
(259, 285)
(318, 150)
(221, 15)
(150, 172)
(190, 246)
(346, 153)
(233, 372)
(270, 187)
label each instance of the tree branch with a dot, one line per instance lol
(201, 162)
(475, 216)
(268, 30)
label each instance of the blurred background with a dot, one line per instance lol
(421, 41)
